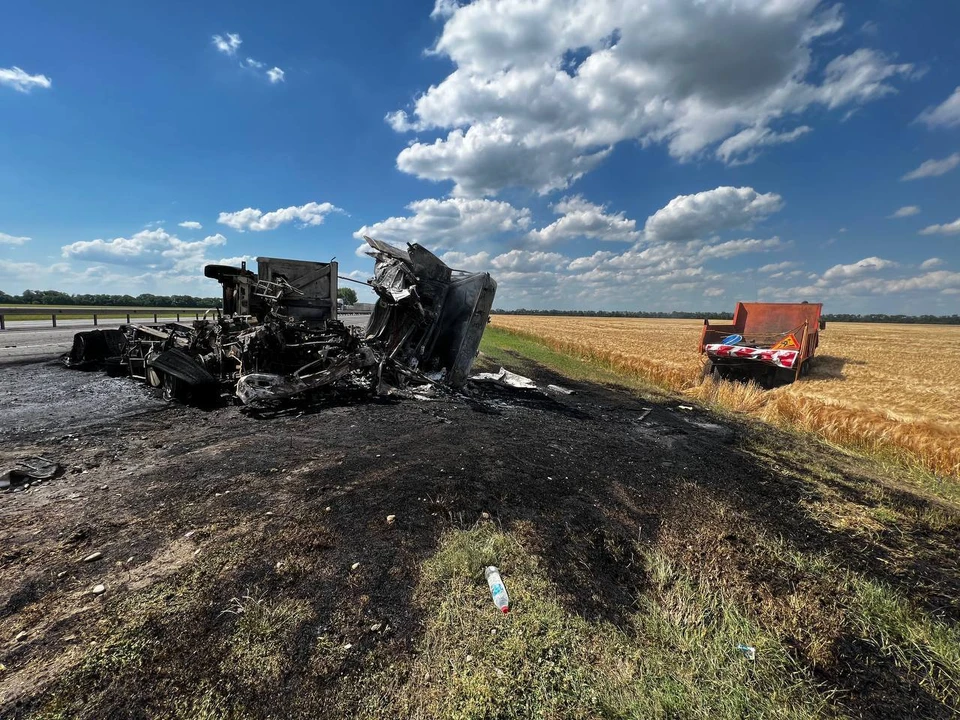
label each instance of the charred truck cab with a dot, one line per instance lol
(308, 289)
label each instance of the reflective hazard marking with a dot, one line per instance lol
(788, 343)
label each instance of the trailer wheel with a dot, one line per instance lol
(708, 369)
(723, 372)
(767, 377)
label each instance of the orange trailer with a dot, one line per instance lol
(768, 342)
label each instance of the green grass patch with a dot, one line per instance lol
(678, 659)
(258, 650)
(919, 644)
(924, 647)
(502, 347)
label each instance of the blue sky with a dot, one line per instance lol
(663, 155)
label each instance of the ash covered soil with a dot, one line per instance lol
(191, 509)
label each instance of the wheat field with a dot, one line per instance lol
(879, 387)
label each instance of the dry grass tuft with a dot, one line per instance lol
(893, 389)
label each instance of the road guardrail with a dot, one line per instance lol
(54, 313)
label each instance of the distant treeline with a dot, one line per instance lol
(681, 315)
(55, 297)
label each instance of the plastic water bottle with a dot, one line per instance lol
(497, 590)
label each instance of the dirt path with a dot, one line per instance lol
(191, 509)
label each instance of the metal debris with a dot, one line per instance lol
(35, 468)
(278, 336)
(505, 377)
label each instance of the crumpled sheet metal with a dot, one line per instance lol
(505, 377)
(425, 331)
(35, 468)
(510, 379)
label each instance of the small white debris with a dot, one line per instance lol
(376, 627)
(93, 556)
(685, 407)
(390, 519)
(327, 509)
(61, 573)
(189, 534)
(99, 589)
(347, 646)
(355, 566)
(469, 658)
(22, 635)
(485, 515)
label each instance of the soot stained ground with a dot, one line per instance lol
(194, 508)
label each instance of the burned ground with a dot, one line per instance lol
(210, 521)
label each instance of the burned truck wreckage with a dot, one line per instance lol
(278, 336)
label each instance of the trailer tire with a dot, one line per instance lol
(708, 369)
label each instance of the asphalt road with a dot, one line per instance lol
(33, 341)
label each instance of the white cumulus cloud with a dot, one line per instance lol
(191, 225)
(582, 218)
(449, 223)
(155, 250)
(933, 168)
(227, 43)
(944, 115)
(931, 263)
(748, 142)
(951, 228)
(12, 239)
(861, 267)
(275, 75)
(255, 220)
(540, 92)
(732, 248)
(478, 262)
(906, 211)
(529, 261)
(22, 81)
(777, 267)
(688, 217)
